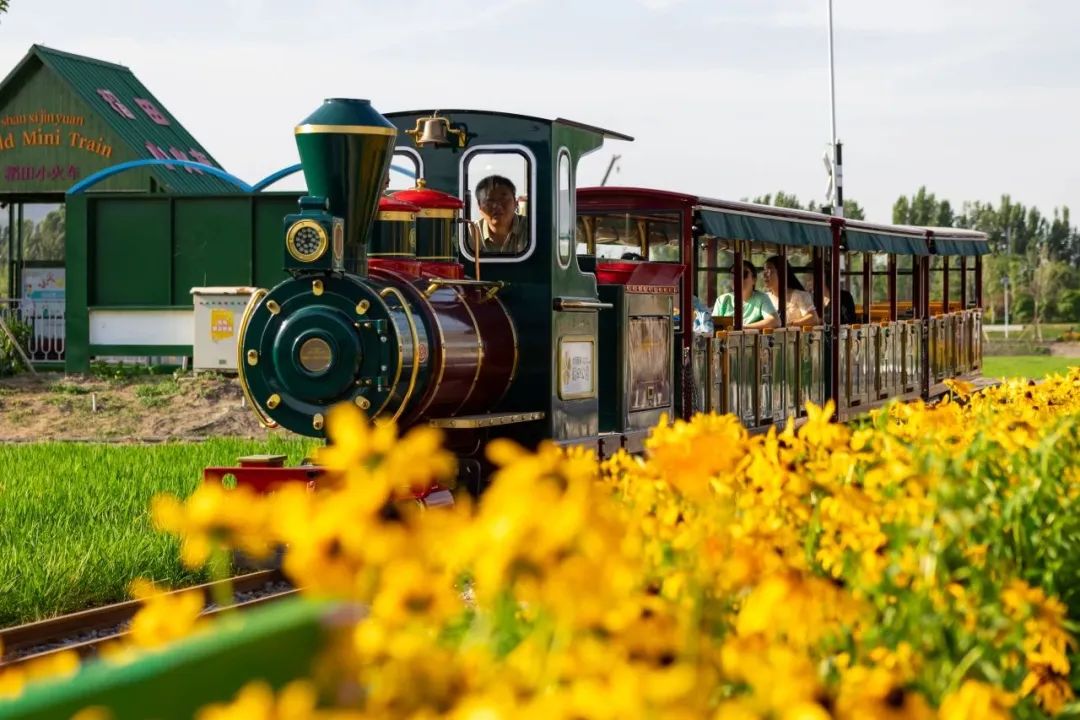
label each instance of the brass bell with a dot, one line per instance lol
(435, 130)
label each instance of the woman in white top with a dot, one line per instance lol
(800, 305)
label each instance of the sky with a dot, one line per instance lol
(725, 98)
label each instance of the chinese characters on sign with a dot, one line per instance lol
(41, 173)
(576, 367)
(176, 154)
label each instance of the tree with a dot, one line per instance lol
(46, 242)
(923, 209)
(3, 6)
(852, 209)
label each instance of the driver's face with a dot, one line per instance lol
(497, 207)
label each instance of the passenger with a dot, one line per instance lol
(631, 256)
(847, 303)
(758, 310)
(703, 324)
(799, 305)
(501, 229)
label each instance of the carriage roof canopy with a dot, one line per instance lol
(63, 117)
(762, 223)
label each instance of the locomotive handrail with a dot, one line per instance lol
(583, 304)
(256, 298)
(493, 286)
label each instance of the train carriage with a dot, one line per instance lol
(917, 295)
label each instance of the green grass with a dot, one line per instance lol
(1050, 331)
(75, 521)
(1033, 367)
(157, 394)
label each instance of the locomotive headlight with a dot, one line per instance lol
(306, 241)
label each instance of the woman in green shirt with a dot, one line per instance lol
(758, 309)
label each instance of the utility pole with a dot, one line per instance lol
(837, 161)
(1005, 280)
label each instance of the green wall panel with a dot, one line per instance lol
(212, 244)
(129, 252)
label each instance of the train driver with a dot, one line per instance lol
(758, 309)
(502, 230)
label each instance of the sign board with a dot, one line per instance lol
(577, 367)
(222, 323)
(43, 285)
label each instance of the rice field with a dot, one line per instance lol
(1032, 367)
(75, 523)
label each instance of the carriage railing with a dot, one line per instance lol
(911, 355)
(853, 365)
(765, 377)
(955, 344)
(888, 360)
(961, 331)
(975, 340)
(812, 367)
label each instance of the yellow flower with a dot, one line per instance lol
(1052, 690)
(961, 388)
(256, 701)
(977, 701)
(878, 693)
(164, 617)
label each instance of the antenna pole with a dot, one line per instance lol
(611, 165)
(838, 173)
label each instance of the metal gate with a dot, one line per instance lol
(46, 323)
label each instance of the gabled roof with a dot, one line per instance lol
(85, 76)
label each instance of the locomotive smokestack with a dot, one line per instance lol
(345, 148)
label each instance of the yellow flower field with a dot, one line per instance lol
(925, 563)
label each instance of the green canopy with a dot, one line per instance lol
(731, 225)
(954, 246)
(883, 242)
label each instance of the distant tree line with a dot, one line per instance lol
(782, 199)
(1036, 255)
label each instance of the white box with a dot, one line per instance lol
(218, 311)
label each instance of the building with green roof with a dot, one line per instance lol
(64, 117)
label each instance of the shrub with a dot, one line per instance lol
(10, 361)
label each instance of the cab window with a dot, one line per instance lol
(497, 188)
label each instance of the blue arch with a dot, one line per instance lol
(287, 171)
(275, 176)
(108, 172)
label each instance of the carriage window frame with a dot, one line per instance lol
(711, 273)
(587, 246)
(466, 198)
(565, 222)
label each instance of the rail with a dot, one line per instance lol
(84, 632)
(492, 286)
